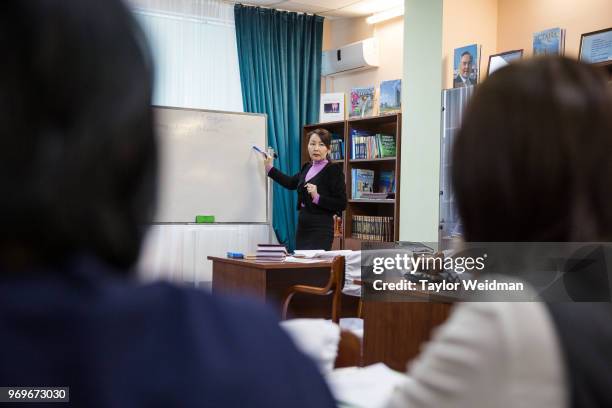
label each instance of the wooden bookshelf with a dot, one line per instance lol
(384, 124)
(372, 201)
(372, 160)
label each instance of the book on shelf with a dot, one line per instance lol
(372, 228)
(337, 149)
(387, 146)
(331, 107)
(390, 96)
(362, 102)
(549, 42)
(362, 181)
(367, 146)
(386, 182)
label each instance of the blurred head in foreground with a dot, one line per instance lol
(533, 156)
(77, 151)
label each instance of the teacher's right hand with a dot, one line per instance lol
(268, 162)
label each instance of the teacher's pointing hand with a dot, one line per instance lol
(268, 161)
(312, 190)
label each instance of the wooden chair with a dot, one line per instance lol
(334, 286)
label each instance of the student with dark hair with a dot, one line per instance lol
(78, 163)
(321, 192)
(532, 164)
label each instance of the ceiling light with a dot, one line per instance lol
(385, 15)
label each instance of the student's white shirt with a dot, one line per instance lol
(489, 355)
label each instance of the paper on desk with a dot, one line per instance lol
(308, 253)
(301, 260)
(367, 387)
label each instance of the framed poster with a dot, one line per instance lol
(549, 42)
(390, 96)
(596, 46)
(331, 107)
(496, 61)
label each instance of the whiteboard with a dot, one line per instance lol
(208, 166)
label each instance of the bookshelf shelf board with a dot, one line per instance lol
(375, 119)
(372, 201)
(367, 240)
(325, 124)
(372, 160)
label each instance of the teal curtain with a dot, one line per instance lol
(279, 54)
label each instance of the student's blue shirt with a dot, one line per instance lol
(120, 344)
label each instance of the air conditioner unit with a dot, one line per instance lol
(356, 56)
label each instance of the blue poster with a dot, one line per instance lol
(548, 42)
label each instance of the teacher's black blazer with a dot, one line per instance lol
(330, 186)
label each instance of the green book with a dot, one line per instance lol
(387, 145)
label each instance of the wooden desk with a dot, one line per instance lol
(269, 282)
(395, 331)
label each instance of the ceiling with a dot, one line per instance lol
(329, 8)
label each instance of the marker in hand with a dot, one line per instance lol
(264, 153)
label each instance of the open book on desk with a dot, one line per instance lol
(307, 253)
(302, 260)
(320, 253)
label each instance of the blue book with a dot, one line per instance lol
(363, 181)
(386, 183)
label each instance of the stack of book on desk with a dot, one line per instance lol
(271, 253)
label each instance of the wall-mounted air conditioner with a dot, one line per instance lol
(357, 56)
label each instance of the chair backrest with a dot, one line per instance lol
(334, 286)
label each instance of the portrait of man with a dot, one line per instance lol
(465, 66)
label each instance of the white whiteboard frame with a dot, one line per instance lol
(268, 185)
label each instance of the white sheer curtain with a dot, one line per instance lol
(196, 66)
(194, 49)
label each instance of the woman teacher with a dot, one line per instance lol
(321, 192)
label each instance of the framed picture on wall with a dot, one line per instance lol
(549, 42)
(390, 96)
(497, 61)
(466, 64)
(362, 102)
(331, 107)
(596, 46)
